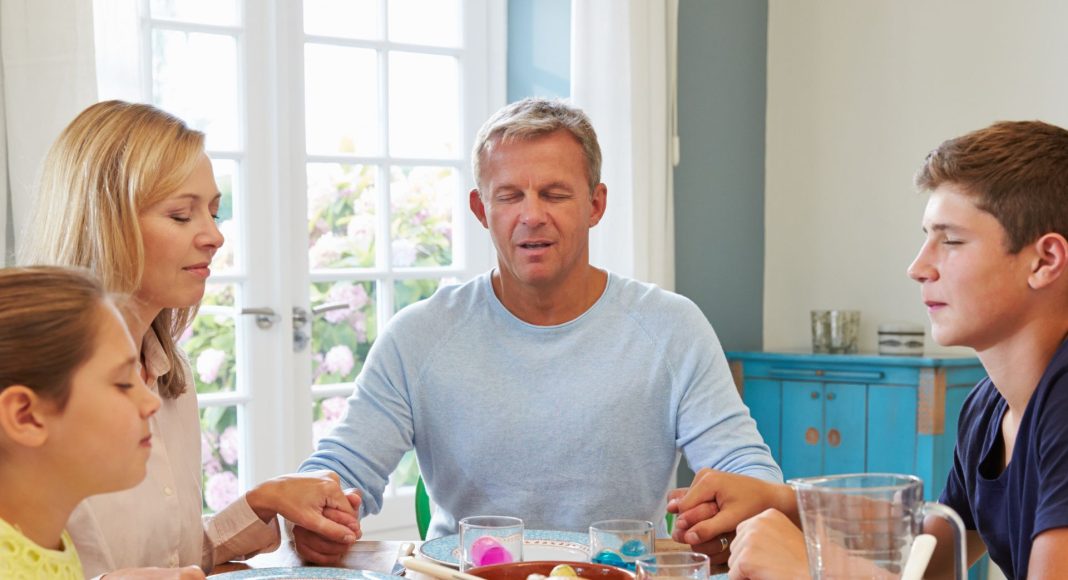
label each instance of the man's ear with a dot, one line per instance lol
(478, 207)
(1049, 261)
(22, 416)
(599, 199)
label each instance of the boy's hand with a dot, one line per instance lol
(768, 545)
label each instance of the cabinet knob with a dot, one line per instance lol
(815, 394)
(834, 438)
(812, 436)
(830, 396)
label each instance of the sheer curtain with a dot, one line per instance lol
(623, 74)
(46, 59)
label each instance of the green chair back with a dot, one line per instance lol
(422, 508)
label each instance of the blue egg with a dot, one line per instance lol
(632, 548)
(608, 558)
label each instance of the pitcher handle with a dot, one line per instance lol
(960, 545)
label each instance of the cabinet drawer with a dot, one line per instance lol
(845, 373)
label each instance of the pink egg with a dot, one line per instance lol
(487, 550)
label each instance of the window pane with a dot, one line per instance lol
(341, 100)
(194, 76)
(343, 18)
(219, 12)
(341, 215)
(209, 342)
(430, 22)
(226, 177)
(341, 338)
(422, 200)
(325, 414)
(220, 454)
(408, 292)
(407, 472)
(424, 107)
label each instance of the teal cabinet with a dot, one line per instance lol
(823, 414)
(827, 414)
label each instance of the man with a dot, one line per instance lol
(545, 389)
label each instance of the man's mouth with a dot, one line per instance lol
(534, 245)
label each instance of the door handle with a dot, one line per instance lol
(266, 317)
(834, 438)
(812, 436)
(302, 317)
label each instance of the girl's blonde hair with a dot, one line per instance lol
(49, 318)
(112, 162)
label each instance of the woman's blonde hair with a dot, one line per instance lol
(49, 318)
(112, 162)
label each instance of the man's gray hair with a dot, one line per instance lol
(535, 117)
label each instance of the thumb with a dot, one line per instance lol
(724, 521)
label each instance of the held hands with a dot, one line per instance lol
(326, 519)
(187, 573)
(713, 506)
(768, 545)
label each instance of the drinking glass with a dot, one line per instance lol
(673, 566)
(486, 540)
(621, 542)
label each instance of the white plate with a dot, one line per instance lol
(537, 545)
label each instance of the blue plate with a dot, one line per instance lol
(303, 572)
(537, 545)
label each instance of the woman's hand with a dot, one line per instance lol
(187, 573)
(768, 545)
(313, 501)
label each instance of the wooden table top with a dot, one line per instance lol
(374, 555)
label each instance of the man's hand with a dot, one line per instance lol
(713, 506)
(325, 550)
(187, 573)
(768, 545)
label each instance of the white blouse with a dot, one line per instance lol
(158, 522)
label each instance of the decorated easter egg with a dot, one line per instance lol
(486, 551)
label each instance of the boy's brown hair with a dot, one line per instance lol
(1016, 171)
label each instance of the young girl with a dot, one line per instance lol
(73, 413)
(128, 192)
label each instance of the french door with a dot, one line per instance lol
(340, 133)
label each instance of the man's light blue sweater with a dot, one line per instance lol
(559, 425)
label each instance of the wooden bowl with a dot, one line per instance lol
(520, 570)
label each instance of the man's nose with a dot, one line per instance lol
(533, 211)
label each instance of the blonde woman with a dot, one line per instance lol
(128, 192)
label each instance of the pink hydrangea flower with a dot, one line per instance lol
(209, 362)
(339, 360)
(333, 408)
(229, 444)
(221, 490)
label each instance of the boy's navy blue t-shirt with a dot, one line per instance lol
(1011, 508)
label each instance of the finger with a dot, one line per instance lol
(701, 491)
(707, 530)
(698, 514)
(343, 518)
(355, 499)
(329, 529)
(317, 544)
(191, 573)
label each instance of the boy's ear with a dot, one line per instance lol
(1050, 261)
(22, 416)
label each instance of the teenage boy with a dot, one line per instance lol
(992, 275)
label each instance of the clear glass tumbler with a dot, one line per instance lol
(673, 566)
(621, 542)
(487, 540)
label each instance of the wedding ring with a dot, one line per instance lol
(724, 543)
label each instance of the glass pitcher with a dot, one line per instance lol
(862, 525)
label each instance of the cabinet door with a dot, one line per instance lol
(892, 430)
(802, 428)
(844, 415)
(764, 399)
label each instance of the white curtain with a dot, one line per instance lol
(46, 59)
(623, 74)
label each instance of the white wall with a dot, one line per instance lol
(858, 93)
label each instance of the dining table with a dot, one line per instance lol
(379, 556)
